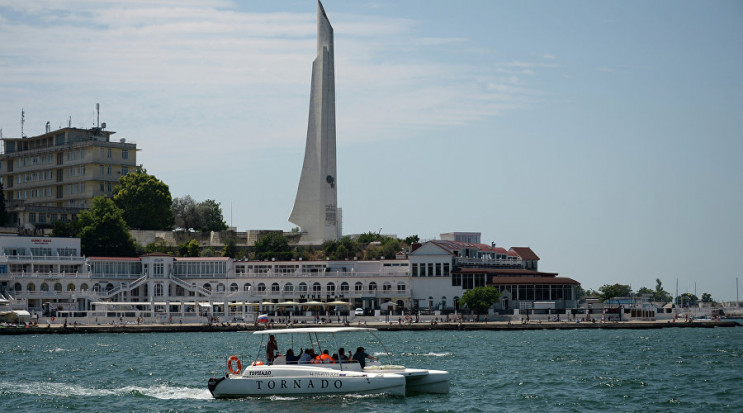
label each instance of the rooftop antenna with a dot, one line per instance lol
(69, 122)
(97, 115)
(23, 120)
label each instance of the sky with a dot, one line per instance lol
(606, 136)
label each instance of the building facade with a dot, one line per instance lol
(56, 175)
(47, 275)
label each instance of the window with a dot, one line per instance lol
(124, 154)
(108, 153)
(275, 288)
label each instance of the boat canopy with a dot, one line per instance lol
(315, 330)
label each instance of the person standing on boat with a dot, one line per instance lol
(271, 348)
(361, 357)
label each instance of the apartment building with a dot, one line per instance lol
(56, 175)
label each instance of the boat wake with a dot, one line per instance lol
(162, 392)
(429, 354)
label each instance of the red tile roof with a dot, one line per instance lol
(525, 253)
(114, 258)
(506, 271)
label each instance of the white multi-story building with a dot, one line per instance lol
(48, 275)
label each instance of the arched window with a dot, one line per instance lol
(30, 287)
(358, 287)
(261, 287)
(344, 287)
(330, 288)
(220, 288)
(275, 288)
(387, 286)
(70, 287)
(316, 288)
(208, 287)
(289, 287)
(44, 287)
(97, 287)
(84, 287)
(401, 286)
(57, 286)
(302, 287)
(246, 287)
(17, 286)
(233, 287)
(372, 286)
(109, 287)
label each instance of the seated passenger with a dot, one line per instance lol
(342, 354)
(324, 358)
(290, 357)
(361, 357)
(307, 357)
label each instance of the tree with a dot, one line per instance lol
(660, 295)
(146, 201)
(368, 237)
(272, 245)
(103, 231)
(3, 211)
(479, 299)
(157, 246)
(344, 248)
(617, 290)
(411, 239)
(210, 214)
(707, 298)
(687, 300)
(66, 228)
(186, 213)
(190, 248)
(230, 249)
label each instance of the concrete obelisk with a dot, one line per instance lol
(316, 205)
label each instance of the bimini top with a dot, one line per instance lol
(315, 330)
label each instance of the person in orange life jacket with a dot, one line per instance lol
(324, 358)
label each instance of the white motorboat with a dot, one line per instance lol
(259, 378)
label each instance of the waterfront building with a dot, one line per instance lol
(56, 175)
(441, 271)
(316, 206)
(48, 275)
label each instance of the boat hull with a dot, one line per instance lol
(305, 381)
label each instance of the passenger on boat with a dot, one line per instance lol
(307, 357)
(271, 348)
(323, 358)
(342, 354)
(360, 356)
(290, 357)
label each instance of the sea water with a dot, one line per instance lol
(668, 370)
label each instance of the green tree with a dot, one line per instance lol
(479, 299)
(145, 200)
(412, 239)
(230, 249)
(707, 298)
(210, 214)
(389, 248)
(687, 300)
(368, 237)
(272, 245)
(66, 228)
(3, 211)
(186, 213)
(103, 230)
(157, 246)
(342, 249)
(189, 248)
(660, 295)
(617, 290)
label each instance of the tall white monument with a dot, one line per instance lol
(315, 209)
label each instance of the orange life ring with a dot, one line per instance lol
(239, 365)
(257, 363)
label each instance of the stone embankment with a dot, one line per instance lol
(466, 326)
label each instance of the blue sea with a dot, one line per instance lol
(668, 370)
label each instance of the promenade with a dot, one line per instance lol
(382, 326)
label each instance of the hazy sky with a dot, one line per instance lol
(607, 136)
